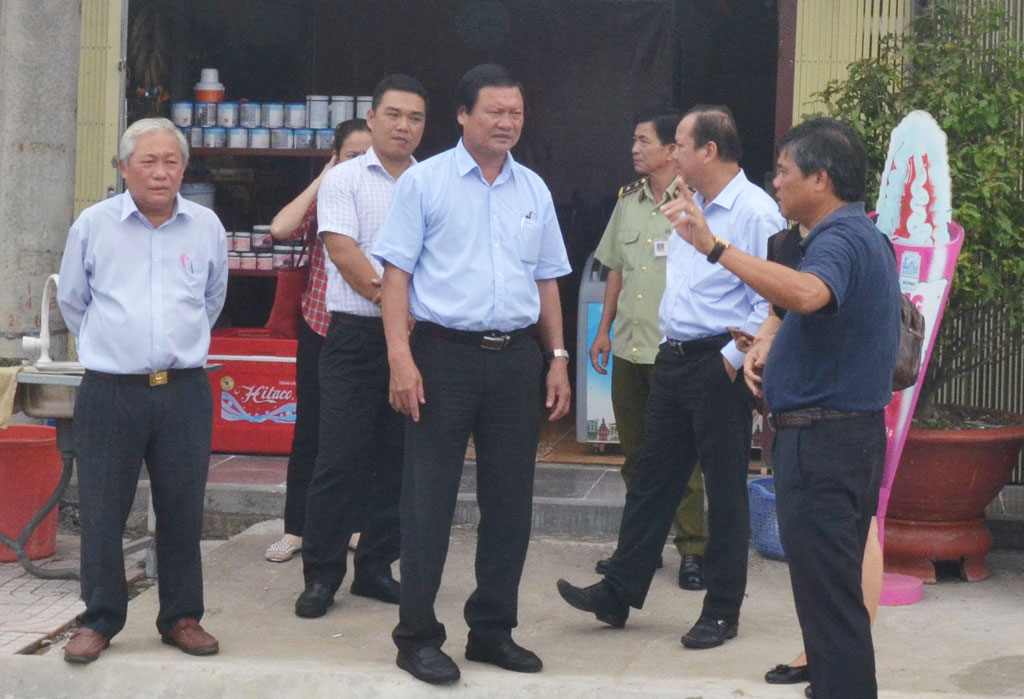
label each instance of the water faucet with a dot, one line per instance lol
(42, 343)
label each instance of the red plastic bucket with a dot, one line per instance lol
(30, 468)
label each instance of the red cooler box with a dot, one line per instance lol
(253, 392)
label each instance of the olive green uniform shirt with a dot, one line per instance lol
(628, 246)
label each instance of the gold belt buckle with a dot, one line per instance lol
(158, 378)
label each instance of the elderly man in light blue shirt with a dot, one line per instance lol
(142, 281)
(472, 250)
(699, 406)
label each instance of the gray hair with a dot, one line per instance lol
(147, 126)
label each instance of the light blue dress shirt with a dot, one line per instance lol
(703, 299)
(138, 298)
(475, 251)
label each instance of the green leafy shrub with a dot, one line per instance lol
(963, 66)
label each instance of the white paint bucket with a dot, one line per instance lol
(215, 137)
(227, 114)
(259, 138)
(342, 109)
(195, 137)
(249, 114)
(272, 115)
(205, 114)
(201, 193)
(238, 137)
(318, 111)
(363, 103)
(325, 139)
(181, 113)
(295, 115)
(305, 139)
(282, 139)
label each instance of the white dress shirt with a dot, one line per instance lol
(138, 298)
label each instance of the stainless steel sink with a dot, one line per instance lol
(50, 392)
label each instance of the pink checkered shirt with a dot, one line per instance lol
(313, 308)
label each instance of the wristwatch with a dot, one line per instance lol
(553, 354)
(721, 246)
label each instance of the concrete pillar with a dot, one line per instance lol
(39, 47)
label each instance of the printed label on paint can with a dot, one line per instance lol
(265, 260)
(205, 114)
(215, 137)
(272, 115)
(242, 241)
(305, 139)
(283, 257)
(234, 260)
(295, 115)
(227, 114)
(181, 113)
(318, 111)
(249, 114)
(261, 238)
(195, 137)
(282, 138)
(248, 260)
(259, 138)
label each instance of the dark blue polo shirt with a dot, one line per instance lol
(841, 356)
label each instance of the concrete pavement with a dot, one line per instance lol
(963, 640)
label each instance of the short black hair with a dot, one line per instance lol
(346, 129)
(830, 146)
(715, 122)
(485, 75)
(664, 121)
(400, 83)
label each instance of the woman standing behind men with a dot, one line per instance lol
(297, 221)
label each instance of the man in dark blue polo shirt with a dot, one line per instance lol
(827, 379)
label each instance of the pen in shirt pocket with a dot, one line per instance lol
(522, 223)
(186, 263)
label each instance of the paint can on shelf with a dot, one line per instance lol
(363, 103)
(234, 260)
(305, 139)
(282, 139)
(342, 109)
(325, 139)
(248, 260)
(215, 137)
(205, 114)
(238, 137)
(249, 114)
(272, 115)
(242, 241)
(317, 111)
(195, 137)
(283, 257)
(265, 260)
(181, 113)
(259, 138)
(227, 114)
(295, 115)
(261, 238)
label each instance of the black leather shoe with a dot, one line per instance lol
(787, 674)
(505, 654)
(429, 665)
(709, 632)
(808, 692)
(381, 587)
(691, 572)
(602, 566)
(314, 601)
(599, 599)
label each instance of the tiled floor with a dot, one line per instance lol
(33, 609)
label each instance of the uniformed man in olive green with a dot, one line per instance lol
(634, 248)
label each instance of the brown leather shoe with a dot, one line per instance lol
(85, 646)
(189, 636)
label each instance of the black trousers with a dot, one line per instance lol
(117, 427)
(495, 395)
(694, 411)
(357, 477)
(306, 439)
(826, 484)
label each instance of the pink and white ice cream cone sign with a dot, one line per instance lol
(914, 210)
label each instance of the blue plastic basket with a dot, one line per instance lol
(764, 524)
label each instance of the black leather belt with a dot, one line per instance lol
(156, 378)
(488, 339)
(362, 321)
(699, 346)
(806, 417)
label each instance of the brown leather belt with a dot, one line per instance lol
(156, 378)
(488, 339)
(807, 417)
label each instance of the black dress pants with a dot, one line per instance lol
(306, 439)
(495, 395)
(117, 427)
(694, 411)
(826, 484)
(357, 478)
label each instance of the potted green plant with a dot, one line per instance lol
(959, 62)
